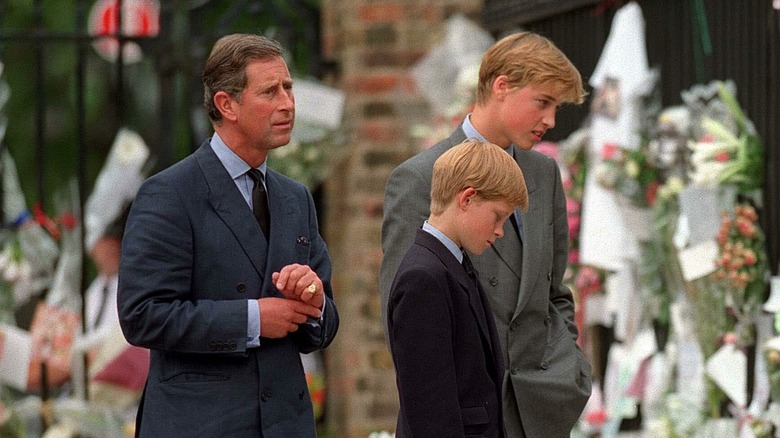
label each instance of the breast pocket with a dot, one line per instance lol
(302, 250)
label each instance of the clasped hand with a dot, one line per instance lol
(303, 299)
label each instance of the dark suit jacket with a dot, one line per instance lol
(192, 256)
(547, 380)
(445, 348)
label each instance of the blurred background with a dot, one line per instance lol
(72, 78)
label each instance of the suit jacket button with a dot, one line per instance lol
(265, 396)
(513, 326)
(232, 346)
(544, 365)
(549, 276)
(547, 321)
(301, 394)
(241, 287)
(515, 370)
(212, 346)
(493, 281)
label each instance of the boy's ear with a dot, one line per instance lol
(466, 197)
(501, 86)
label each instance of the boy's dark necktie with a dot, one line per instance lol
(468, 266)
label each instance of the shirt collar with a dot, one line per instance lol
(472, 134)
(235, 166)
(470, 131)
(448, 243)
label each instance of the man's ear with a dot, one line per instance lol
(466, 197)
(225, 104)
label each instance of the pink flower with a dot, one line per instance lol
(730, 338)
(707, 138)
(609, 151)
(548, 148)
(652, 192)
(748, 212)
(587, 280)
(746, 228)
(574, 226)
(596, 418)
(722, 157)
(572, 206)
(750, 257)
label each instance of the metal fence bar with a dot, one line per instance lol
(81, 136)
(40, 83)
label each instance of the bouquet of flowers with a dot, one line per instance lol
(630, 173)
(28, 250)
(659, 269)
(729, 151)
(742, 260)
(584, 280)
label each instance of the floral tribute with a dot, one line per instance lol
(701, 160)
(630, 173)
(742, 260)
(304, 161)
(584, 280)
(729, 151)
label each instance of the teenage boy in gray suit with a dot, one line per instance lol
(523, 79)
(445, 347)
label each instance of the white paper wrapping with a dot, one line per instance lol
(116, 185)
(463, 46)
(728, 369)
(15, 354)
(621, 77)
(318, 104)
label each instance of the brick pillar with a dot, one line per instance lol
(374, 43)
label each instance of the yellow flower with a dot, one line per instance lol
(632, 169)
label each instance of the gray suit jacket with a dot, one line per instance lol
(547, 380)
(192, 255)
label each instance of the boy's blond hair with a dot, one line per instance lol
(529, 59)
(486, 167)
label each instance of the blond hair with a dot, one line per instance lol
(527, 58)
(486, 167)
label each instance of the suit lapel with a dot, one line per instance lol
(468, 284)
(532, 232)
(527, 268)
(231, 207)
(282, 211)
(506, 248)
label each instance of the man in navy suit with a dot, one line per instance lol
(446, 352)
(225, 307)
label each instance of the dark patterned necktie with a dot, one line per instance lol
(468, 266)
(260, 202)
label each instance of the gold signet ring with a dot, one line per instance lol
(312, 288)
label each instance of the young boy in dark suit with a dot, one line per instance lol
(443, 339)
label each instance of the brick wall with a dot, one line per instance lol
(373, 43)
